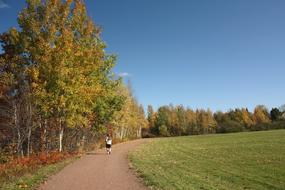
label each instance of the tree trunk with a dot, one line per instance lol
(60, 135)
(60, 140)
(29, 140)
(19, 137)
(45, 136)
(19, 143)
(30, 126)
(122, 133)
(139, 132)
(82, 144)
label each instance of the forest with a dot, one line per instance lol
(178, 120)
(58, 91)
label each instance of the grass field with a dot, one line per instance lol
(249, 160)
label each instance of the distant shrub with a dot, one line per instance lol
(267, 126)
(163, 131)
(148, 133)
(230, 126)
(278, 124)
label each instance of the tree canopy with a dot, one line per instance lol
(57, 78)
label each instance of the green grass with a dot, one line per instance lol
(33, 180)
(249, 160)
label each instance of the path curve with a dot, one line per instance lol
(98, 171)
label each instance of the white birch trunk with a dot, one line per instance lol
(29, 141)
(60, 136)
(19, 140)
(30, 125)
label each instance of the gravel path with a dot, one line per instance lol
(98, 171)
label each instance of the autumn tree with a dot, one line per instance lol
(261, 115)
(130, 120)
(150, 116)
(191, 119)
(182, 123)
(56, 71)
(15, 89)
(246, 117)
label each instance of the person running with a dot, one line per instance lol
(108, 141)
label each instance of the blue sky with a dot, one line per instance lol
(216, 54)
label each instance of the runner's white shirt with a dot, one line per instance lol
(109, 141)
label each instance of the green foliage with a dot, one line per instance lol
(275, 114)
(229, 126)
(252, 160)
(163, 131)
(162, 117)
(105, 108)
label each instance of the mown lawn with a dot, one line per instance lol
(249, 160)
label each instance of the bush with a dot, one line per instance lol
(19, 166)
(4, 158)
(267, 126)
(230, 126)
(163, 131)
(278, 125)
(146, 133)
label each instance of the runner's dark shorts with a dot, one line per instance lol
(108, 146)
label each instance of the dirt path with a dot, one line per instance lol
(98, 171)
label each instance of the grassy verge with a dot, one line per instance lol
(33, 179)
(250, 160)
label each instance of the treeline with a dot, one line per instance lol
(57, 88)
(178, 120)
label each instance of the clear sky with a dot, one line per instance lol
(216, 54)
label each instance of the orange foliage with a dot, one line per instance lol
(35, 160)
